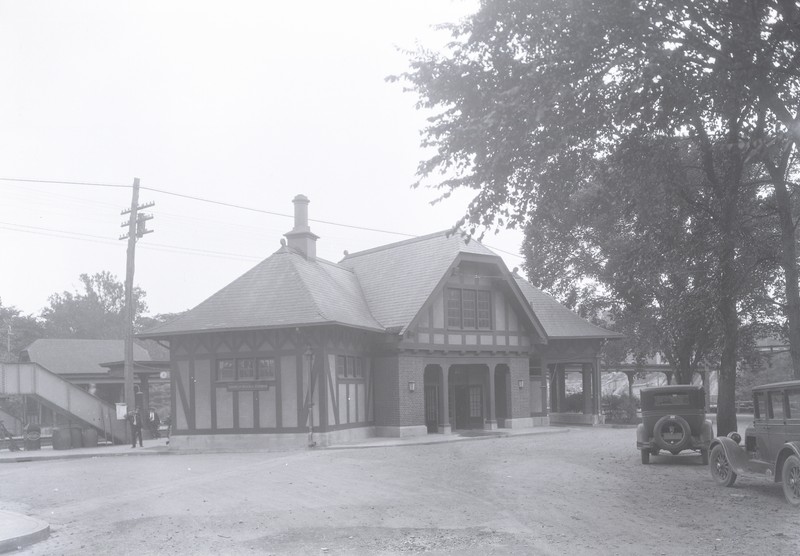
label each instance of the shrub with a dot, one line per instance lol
(620, 409)
(573, 403)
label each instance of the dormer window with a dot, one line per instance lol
(469, 309)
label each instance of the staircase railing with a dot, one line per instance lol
(32, 379)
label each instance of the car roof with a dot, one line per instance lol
(777, 385)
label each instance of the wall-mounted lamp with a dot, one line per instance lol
(412, 386)
(521, 384)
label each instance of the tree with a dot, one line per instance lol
(97, 312)
(531, 94)
(19, 331)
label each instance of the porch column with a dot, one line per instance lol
(561, 373)
(588, 390)
(444, 415)
(491, 422)
(543, 385)
(145, 386)
(552, 378)
(597, 382)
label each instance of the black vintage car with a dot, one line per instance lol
(674, 420)
(771, 445)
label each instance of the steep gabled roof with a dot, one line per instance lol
(559, 322)
(284, 290)
(78, 356)
(398, 278)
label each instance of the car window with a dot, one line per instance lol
(776, 405)
(671, 399)
(794, 404)
(761, 406)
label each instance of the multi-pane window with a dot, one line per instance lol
(469, 309)
(265, 369)
(454, 308)
(348, 366)
(245, 369)
(484, 310)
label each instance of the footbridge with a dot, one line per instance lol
(30, 379)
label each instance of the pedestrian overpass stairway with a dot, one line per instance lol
(30, 379)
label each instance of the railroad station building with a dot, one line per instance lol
(431, 335)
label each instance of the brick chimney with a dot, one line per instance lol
(301, 238)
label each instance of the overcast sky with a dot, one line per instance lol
(247, 103)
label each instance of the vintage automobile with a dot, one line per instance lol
(771, 445)
(674, 420)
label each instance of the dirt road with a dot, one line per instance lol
(580, 492)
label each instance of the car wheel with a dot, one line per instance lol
(791, 480)
(679, 430)
(645, 456)
(654, 451)
(704, 456)
(720, 467)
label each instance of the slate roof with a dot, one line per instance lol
(282, 290)
(78, 356)
(559, 322)
(379, 289)
(398, 278)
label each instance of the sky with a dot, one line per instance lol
(243, 103)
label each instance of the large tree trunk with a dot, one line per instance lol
(726, 399)
(789, 264)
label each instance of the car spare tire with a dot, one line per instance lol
(672, 433)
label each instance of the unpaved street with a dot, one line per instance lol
(577, 492)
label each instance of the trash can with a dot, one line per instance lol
(32, 437)
(89, 438)
(76, 437)
(62, 439)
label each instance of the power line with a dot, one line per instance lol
(233, 205)
(94, 184)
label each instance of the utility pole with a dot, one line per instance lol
(137, 227)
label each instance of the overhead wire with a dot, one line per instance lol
(230, 205)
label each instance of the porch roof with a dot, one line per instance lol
(559, 322)
(79, 356)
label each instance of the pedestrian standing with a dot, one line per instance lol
(136, 427)
(154, 421)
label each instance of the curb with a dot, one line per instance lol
(29, 530)
(55, 457)
(399, 443)
(393, 443)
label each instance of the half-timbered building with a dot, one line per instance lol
(425, 336)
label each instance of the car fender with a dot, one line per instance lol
(735, 454)
(788, 449)
(642, 437)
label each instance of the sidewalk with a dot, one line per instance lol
(18, 530)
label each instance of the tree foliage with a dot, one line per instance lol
(96, 312)
(19, 331)
(534, 99)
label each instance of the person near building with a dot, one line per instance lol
(136, 427)
(154, 421)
